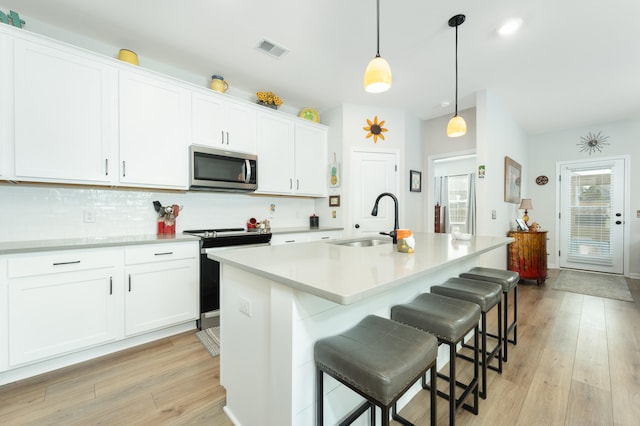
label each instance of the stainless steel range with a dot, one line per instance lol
(219, 239)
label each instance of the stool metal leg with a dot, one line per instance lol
(319, 398)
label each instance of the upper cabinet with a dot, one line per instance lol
(153, 132)
(292, 156)
(222, 123)
(65, 112)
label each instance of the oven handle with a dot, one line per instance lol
(211, 249)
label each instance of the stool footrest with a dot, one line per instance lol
(358, 412)
(459, 402)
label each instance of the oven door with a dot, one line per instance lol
(210, 286)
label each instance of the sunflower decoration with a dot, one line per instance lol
(375, 129)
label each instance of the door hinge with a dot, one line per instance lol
(396, 167)
(558, 253)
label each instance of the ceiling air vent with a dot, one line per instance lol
(271, 48)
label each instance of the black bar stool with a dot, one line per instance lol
(486, 295)
(450, 320)
(509, 281)
(379, 359)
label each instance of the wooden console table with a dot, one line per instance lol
(528, 255)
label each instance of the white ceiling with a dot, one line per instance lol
(574, 63)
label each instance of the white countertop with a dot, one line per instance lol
(10, 247)
(345, 274)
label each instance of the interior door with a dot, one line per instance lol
(373, 173)
(592, 215)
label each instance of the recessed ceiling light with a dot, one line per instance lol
(510, 26)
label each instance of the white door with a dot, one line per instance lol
(373, 173)
(592, 215)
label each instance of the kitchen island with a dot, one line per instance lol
(277, 301)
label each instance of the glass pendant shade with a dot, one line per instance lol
(377, 76)
(456, 127)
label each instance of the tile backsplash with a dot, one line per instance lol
(31, 212)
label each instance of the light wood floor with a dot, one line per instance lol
(577, 362)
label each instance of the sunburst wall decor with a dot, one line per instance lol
(375, 129)
(593, 142)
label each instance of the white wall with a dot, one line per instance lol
(498, 135)
(404, 136)
(546, 150)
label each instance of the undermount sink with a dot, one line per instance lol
(362, 242)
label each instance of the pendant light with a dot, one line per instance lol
(377, 76)
(457, 126)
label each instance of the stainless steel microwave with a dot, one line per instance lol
(219, 170)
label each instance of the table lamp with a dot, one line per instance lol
(526, 205)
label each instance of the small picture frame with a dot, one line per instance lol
(415, 181)
(521, 225)
(334, 201)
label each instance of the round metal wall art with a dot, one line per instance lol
(593, 142)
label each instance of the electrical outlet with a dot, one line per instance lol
(89, 215)
(334, 214)
(244, 306)
(493, 214)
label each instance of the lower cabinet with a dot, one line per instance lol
(527, 255)
(62, 302)
(303, 237)
(162, 286)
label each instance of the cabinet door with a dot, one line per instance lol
(6, 107)
(275, 154)
(65, 115)
(153, 132)
(310, 160)
(61, 312)
(222, 124)
(161, 293)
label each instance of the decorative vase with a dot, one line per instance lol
(272, 106)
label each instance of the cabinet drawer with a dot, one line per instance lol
(160, 252)
(62, 261)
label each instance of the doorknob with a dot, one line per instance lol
(357, 226)
(618, 222)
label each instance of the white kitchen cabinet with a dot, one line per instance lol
(162, 286)
(60, 302)
(153, 131)
(6, 107)
(275, 154)
(302, 237)
(222, 123)
(4, 321)
(291, 156)
(65, 114)
(310, 164)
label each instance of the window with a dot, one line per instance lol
(458, 203)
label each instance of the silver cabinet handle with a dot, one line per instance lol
(106, 167)
(222, 137)
(124, 168)
(66, 263)
(129, 283)
(227, 138)
(110, 286)
(163, 254)
(290, 183)
(297, 184)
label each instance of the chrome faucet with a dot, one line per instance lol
(393, 234)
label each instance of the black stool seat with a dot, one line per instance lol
(509, 282)
(507, 279)
(379, 359)
(450, 320)
(486, 295)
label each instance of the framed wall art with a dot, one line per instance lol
(512, 179)
(415, 179)
(334, 201)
